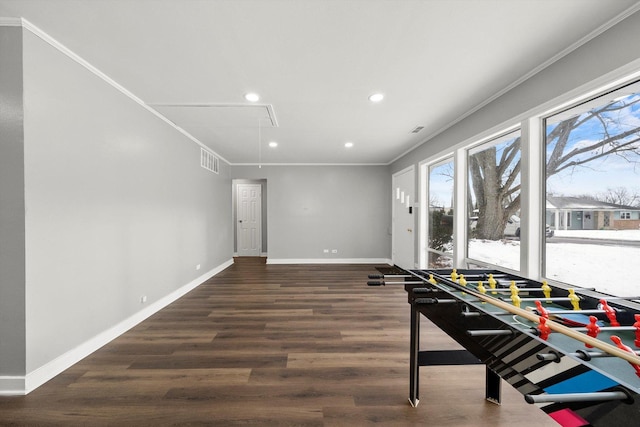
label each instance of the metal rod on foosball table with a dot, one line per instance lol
(383, 283)
(435, 301)
(607, 328)
(580, 354)
(488, 332)
(576, 397)
(382, 276)
(548, 299)
(554, 326)
(508, 290)
(588, 311)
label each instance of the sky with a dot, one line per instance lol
(611, 171)
(441, 185)
(595, 177)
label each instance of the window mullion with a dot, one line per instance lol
(532, 198)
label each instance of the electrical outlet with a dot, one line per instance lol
(198, 267)
(334, 251)
(326, 251)
(143, 299)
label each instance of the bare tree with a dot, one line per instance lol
(620, 196)
(496, 186)
(495, 173)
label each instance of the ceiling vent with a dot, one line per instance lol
(208, 160)
(417, 129)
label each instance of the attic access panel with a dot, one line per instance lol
(218, 115)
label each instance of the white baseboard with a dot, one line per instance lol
(329, 261)
(21, 385)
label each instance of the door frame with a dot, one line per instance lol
(394, 211)
(263, 212)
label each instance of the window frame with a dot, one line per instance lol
(494, 140)
(533, 190)
(425, 172)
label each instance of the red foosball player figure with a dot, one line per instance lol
(610, 312)
(544, 329)
(618, 342)
(541, 310)
(637, 326)
(592, 329)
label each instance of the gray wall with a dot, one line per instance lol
(118, 206)
(12, 252)
(311, 208)
(615, 48)
(611, 50)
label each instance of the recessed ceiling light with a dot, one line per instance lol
(273, 144)
(348, 144)
(252, 97)
(376, 97)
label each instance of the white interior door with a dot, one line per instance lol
(402, 243)
(249, 216)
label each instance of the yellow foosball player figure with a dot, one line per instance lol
(515, 299)
(575, 299)
(462, 281)
(492, 284)
(546, 290)
(482, 290)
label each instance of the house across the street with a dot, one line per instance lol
(583, 213)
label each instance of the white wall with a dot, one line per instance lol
(311, 208)
(117, 206)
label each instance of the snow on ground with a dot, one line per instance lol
(609, 269)
(601, 234)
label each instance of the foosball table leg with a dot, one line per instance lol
(414, 365)
(493, 386)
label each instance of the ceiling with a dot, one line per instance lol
(314, 64)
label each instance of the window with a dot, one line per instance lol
(494, 202)
(440, 219)
(592, 171)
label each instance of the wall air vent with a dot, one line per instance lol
(208, 160)
(417, 129)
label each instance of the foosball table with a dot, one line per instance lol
(573, 352)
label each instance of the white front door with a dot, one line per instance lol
(249, 213)
(403, 198)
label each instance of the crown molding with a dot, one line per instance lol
(81, 61)
(10, 22)
(584, 40)
(308, 164)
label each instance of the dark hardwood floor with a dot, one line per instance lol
(303, 345)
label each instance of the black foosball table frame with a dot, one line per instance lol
(575, 384)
